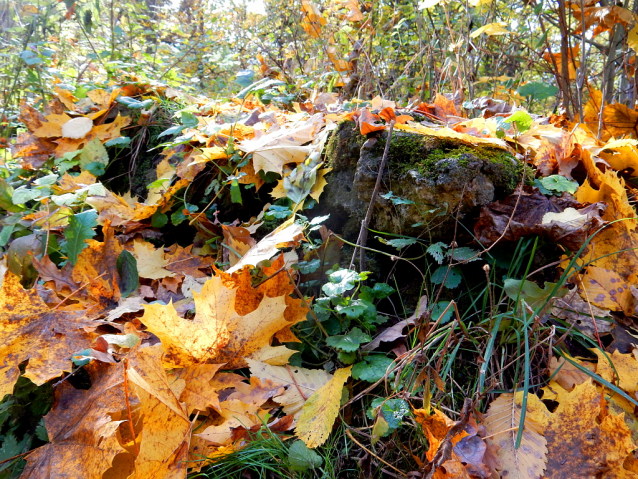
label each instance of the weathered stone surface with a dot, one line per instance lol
(444, 178)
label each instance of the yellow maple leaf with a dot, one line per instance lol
(166, 428)
(579, 441)
(150, 261)
(321, 409)
(285, 235)
(624, 372)
(606, 289)
(497, 28)
(30, 330)
(218, 334)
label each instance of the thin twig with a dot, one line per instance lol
(74, 292)
(292, 376)
(372, 453)
(445, 449)
(363, 232)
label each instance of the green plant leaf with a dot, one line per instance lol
(393, 410)
(80, 228)
(129, 279)
(159, 219)
(23, 195)
(452, 280)
(340, 281)
(41, 431)
(372, 368)
(533, 294)
(349, 342)
(235, 192)
(438, 309)
(537, 90)
(437, 251)
(92, 152)
(464, 254)
(96, 168)
(378, 291)
(521, 119)
(122, 141)
(400, 243)
(559, 184)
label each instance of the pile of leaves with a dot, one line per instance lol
(168, 328)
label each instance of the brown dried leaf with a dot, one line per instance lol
(535, 214)
(29, 330)
(82, 434)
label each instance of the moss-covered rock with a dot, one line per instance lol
(437, 180)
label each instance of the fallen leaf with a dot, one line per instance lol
(300, 383)
(287, 234)
(166, 432)
(579, 312)
(218, 334)
(624, 373)
(82, 434)
(150, 261)
(319, 412)
(581, 445)
(510, 221)
(30, 330)
(606, 289)
(568, 375)
(502, 422)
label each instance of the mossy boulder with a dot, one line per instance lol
(434, 180)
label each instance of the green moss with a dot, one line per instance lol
(342, 149)
(417, 153)
(424, 154)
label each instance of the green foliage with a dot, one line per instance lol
(301, 458)
(537, 90)
(555, 185)
(349, 342)
(372, 368)
(393, 411)
(448, 277)
(80, 229)
(22, 423)
(128, 277)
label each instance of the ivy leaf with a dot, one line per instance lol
(372, 368)
(340, 282)
(80, 228)
(349, 342)
(301, 458)
(559, 184)
(452, 280)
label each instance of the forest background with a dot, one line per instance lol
(175, 88)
